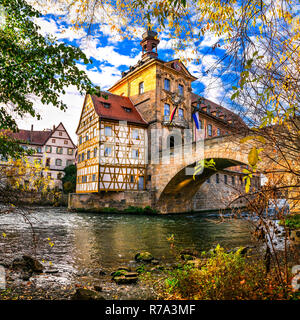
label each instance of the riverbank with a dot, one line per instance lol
(238, 273)
(82, 250)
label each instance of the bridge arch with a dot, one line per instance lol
(177, 194)
(175, 189)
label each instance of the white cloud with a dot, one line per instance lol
(90, 46)
(53, 116)
(105, 78)
(209, 40)
(50, 27)
(168, 44)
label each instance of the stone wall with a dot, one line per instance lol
(36, 198)
(110, 199)
(215, 196)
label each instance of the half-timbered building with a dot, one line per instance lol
(111, 145)
(53, 148)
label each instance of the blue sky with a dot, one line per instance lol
(110, 56)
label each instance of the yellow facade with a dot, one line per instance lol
(88, 141)
(130, 86)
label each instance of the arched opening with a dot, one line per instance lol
(177, 194)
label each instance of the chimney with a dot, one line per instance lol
(53, 127)
(32, 127)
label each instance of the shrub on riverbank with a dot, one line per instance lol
(292, 221)
(223, 276)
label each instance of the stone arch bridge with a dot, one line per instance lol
(172, 187)
(172, 180)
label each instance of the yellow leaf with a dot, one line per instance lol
(253, 156)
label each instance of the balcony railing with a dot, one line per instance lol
(177, 121)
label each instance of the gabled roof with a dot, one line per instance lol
(183, 69)
(35, 137)
(120, 108)
(28, 136)
(55, 128)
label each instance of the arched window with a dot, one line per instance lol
(171, 141)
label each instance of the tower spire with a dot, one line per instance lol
(149, 43)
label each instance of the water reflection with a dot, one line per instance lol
(96, 241)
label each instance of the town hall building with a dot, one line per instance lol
(114, 131)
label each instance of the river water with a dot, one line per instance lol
(76, 243)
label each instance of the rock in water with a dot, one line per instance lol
(125, 279)
(86, 294)
(144, 256)
(27, 264)
(97, 288)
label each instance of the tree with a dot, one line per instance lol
(19, 180)
(69, 179)
(32, 67)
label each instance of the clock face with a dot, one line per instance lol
(177, 66)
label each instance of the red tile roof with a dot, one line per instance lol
(214, 107)
(32, 137)
(117, 109)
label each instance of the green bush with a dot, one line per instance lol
(223, 276)
(292, 221)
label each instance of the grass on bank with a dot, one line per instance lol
(222, 276)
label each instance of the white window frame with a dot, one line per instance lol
(110, 128)
(58, 165)
(107, 147)
(135, 153)
(135, 134)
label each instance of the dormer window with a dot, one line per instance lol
(127, 109)
(141, 87)
(106, 105)
(208, 109)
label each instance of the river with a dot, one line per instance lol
(80, 244)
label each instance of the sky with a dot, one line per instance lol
(110, 56)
